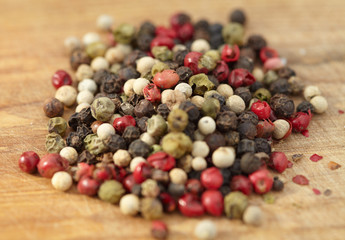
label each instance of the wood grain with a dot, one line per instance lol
(309, 33)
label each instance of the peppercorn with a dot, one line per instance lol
(235, 204)
(87, 157)
(102, 109)
(172, 97)
(79, 57)
(54, 143)
(233, 33)
(129, 204)
(57, 125)
(111, 191)
(262, 145)
(151, 208)
(205, 230)
(245, 62)
(223, 157)
(176, 190)
(115, 142)
(319, 103)
(232, 138)
(245, 146)
(236, 104)
(252, 215)
(256, 42)
(185, 163)
(62, 181)
(280, 86)
(176, 144)
(305, 107)
(278, 185)
(139, 148)
(250, 163)
(247, 130)
(52, 107)
(156, 126)
(214, 141)
(261, 180)
(200, 83)
(282, 129)
(282, 106)
(191, 109)
(94, 144)
(244, 93)
(210, 107)
(70, 154)
(28, 161)
(124, 33)
(51, 163)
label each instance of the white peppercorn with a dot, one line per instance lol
(319, 103)
(67, 95)
(150, 188)
(200, 45)
(105, 130)
(62, 181)
(281, 128)
(84, 97)
(184, 88)
(224, 157)
(130, 204)
(139, 84)
(178, 176)
(310, 92)
(179, 47)
(82, 106)
(91, 37)
(199, 164)
(84, 71)
(236, 104)
(198, 136)
(87, 84)
(104, 22)
(128, 87)
(253, 215)
(135, 161)
(72, 43)
(205, 230)
(198, 101)
(225, 90)
(116, 115)
(145, 64)
(172, 98)
(147, 138)
(99, 63)
(114, 55)
(70, 154)
(258, 74)
(122, 158)
(200, 149)
(206, 125)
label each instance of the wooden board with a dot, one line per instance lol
(309, 33)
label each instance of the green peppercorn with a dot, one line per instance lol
(177, 144)
(96, 49)
(234, 205)
(151, 208)
(57, 125)
(214, 54)
(124, 33)
(102, 109)
(156, 126)
(233, 33)
(111, 191)
(150, 188)
(177, 120)
(162, 53)
(201, 84)
(94, 144)
(210, 107)
(158, 67)
(54, 143)
(206, 61)
(270, 77)
(262, 94)
(156, 148)
(147, 75)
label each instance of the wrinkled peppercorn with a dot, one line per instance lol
(191, 109)
(144, 109)
(305, 106)
(262, 145)
(126, 109)
(115, 142)
(163, 110)
(131, 58)
(214, 141)
(144, 41)
(178, 57)
(250, 163)
(280, 86)
(87, 157)
(238, 16)
(282, 106)
(52, 107)
(139, 148)
(286, 72)
(256, 86)
(232, 138)
(128, 72)
(147, 27)
(79, 57)
(244, 93)
(247, 130)
(248, 116)
(142, 124)
(75, 141)
(278, 185)
(130, 134)
(245, 62)
(112, 83)
(256, 42)
(245, 146)
(226, 121)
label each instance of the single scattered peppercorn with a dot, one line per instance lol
(28, 162)
(235, 204)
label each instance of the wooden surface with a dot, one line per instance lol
(310, 34)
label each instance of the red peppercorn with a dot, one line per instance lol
(241, 183)
(162, 161)
(166, 79)
(240, 77)
(128, 182)
(165, 32)
(121, 123)
(300, 121)
(28, 162)
(211, 178)
(278, 161)
(118, 172)
(262, 109)
(159, 230)
(213, 202)
(102, 174)
(50, 164)
(191, 60)
(185, 32)
(88, 186)
(265, 129)
(266, 53)
(169, 204)
(221, 72)
(61, 78)
(162, 41)
(261, 180)
(152, 93)
(84, 170)
(273, 64)
(141, 172)
(190, 206)
(194, 186)
(230, 54)
(175, 20)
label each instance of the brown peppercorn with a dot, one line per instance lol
(262, 145)
(184, 73)
(191, 109)
(244, 93)
(144, 41)
(75, 141)
(248, 116)
(248, 52)
(160, 176)
(130, 134)
(100, 75)
(115, 142)
(250, 163)
(95, 125)
(185, 163)
(278, 185)
(256, 42)
(85, 116)
(83, 130)
(111, 83)
(139, 148)
(247, 130)
(147, 28)
(144, 109)
(280, 86)
(74, 121)
(286, 72)
(52, 107)
(79, 57)
(179, 57)
(127, 73)
(87, 157)
(135, 99)
(282, 106)
(126, 109)
(226, 121)
(245, 63)
(163, 110)
(232, 138)
(131, 59)
(142, 123)
(214, 141)
(238, 16)
(245, 145)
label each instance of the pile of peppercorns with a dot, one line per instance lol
(180, 117)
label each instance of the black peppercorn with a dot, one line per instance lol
(305, 106)
(244, 93)
(131, 59)
(126, 109)
(87, 157)
(100, 75)
(224, 108)
(128, 73)
(83, 130)
(194, 175)
(262, 145)
(255, 86)
(215, 28)
(115, 142)
(111, 83)
(74, 121)
(232, 138)
(130, 134)
(176, 190)
(85, 116)
(144, 109)
(247, 130)
(282, 106)
(235, 169)
(189, 130)
(216, 40)
(214, 80)
(225, 190)
(250, 163)
(238, 16)
(184, 73)
(214, 141)
(142, 124)
(163, 110)
(226, 173)
(245, 62)
(248, 52)
(135, 99)
(202, 34)
(256, 42)
(147, 28)
(139, 148)
(144, 41)
(248, 116)
(245, 145)
(280, 86)
(217, 96)
(79, 57)
(191, 109)
(172, 65)
(226, 121)
(286, 72)
(75, 141)
(278, 185)
(202, 24)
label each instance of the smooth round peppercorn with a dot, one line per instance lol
(130, 204)
(111, 191)
(84, 71)
(28, 162)
(238, 16)
(206, 125)
(148, 139)
(50, 164)
(62, 181)
(166, 79)
(105, 130)
(205, 230)
(211, 178)
(87, 84)
(122, 158)
(178, 176)
(223, 157)
(200, 149)
(241, 183)
(253, 215)
(99, 63)
(135, 161)
(121, 123)
(200, 45)
(67, 95)
(278, 161)
(225, 90)
(212, 200)
(310, 92)
(85, 96)
(159, 230)
(236, 104)
(104, 22)
(52, 107)
(161, 160)
(70, 154)
(145, 64)
(190, 206)
(319, 103)
(199, 164)
(88, 186)
(91, 37)
(184, 88)
(139, 84)
(282, 129)
(262, 181)
(61, 78)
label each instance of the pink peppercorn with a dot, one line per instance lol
(261, 180)
(211, 178)
(142, 172)
(266, 53)
(159, 230)
(50, 164)
(300, 121)
(165, 32)
(230, 54)
(221, 72)
(191, 60)
(168, 202)
(241, 183)
(84, 170)
(152, 93)
(166, 79)
(61, 78)
(278, 161)
(162, 41)
(273, 64)
(194, 186)
(88, 186)
(162, 161)
(185, 32)
(102, 174)
(213, 202)
(118, 173)
(190, 206)
(262, 109)
(28, 162)
(265, 129)
(121, 123)
(240, 78)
